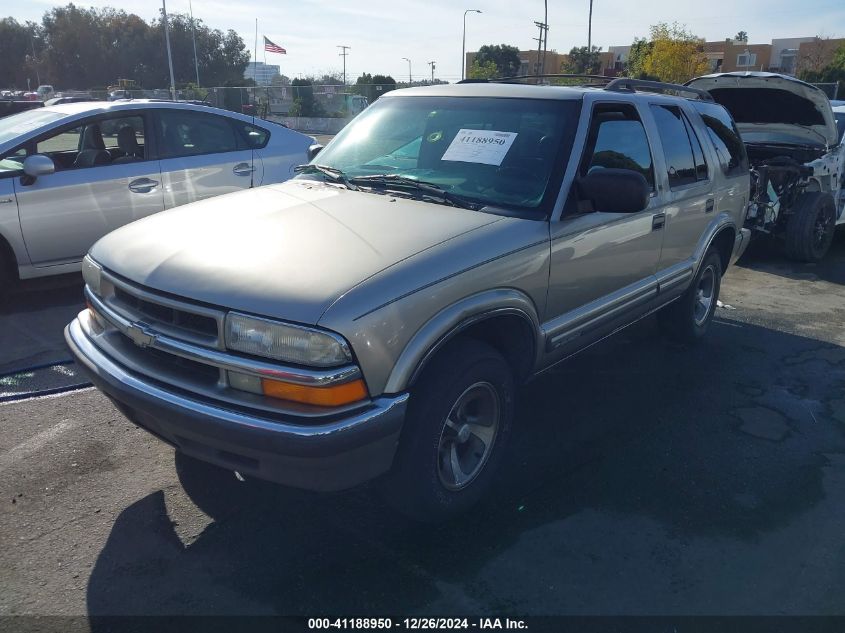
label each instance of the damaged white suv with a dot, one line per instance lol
(796, 155)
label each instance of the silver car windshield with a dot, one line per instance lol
(23, 122)
(493, 151)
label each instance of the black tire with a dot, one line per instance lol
(422, 485)
(687, 319)
(810, 227)
(7, 274)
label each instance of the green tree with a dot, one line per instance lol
(304, 103)
(17, 42)
(676, 55)
(488, 70)
(582, 61)
(741, 36)
(373, 86)
(640, 50)
(505, 57)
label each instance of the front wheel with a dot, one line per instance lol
(810, 228)
(688, 318)
(457, 429)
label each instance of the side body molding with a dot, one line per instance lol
(455, 318)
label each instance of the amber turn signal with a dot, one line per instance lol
(333, 396)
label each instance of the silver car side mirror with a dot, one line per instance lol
(38, 165)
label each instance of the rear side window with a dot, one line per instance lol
(185, 133)
(251, 136)
(725, 138)
(678, 141)
(617, 140)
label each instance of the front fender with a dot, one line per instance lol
(451, 321)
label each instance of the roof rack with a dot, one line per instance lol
(504, 80)
(626, 84)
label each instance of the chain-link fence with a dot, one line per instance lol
(832, 90)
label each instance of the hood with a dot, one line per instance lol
(776, 107)
(285, 251)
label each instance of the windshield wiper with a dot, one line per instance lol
(428, 189)
(334, 174)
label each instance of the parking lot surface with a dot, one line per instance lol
(644, 478)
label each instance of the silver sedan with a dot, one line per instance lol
(71, 173)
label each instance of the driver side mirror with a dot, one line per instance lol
(35, 166)
(615, 190)
(313, 150)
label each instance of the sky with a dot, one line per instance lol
(382, 32)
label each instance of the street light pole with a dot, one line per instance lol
(590, 30)
(464, 47)
(409, 69)
(169, 56)
(194, 38)
(432, 63)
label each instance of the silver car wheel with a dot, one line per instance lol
(468, 435)
(704, 295)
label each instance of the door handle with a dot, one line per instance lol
(143, 185)
(709, 205)
(6, 200)
(658, 221)
(243, 169)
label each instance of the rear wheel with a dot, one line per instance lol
(458, 426)
(810, 228)
(688, 318)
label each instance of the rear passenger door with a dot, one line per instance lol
(687, 187)
(202, 155)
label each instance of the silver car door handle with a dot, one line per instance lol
(6, 200)
(143, 185)
(243, 169)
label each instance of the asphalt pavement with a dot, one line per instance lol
(645, 477)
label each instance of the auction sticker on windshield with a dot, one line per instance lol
(479, 146)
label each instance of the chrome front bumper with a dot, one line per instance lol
(316, 454)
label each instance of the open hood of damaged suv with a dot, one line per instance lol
(768, 107)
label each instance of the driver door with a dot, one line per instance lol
(93, 191)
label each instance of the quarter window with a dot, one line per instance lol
(725, 138)
(185, 133)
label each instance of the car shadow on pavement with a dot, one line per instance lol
(628, 463)
(767, 255)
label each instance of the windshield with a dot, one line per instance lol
(23, 122)
(500, 152)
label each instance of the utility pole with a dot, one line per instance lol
(409, 69)
(343, 54)
(194, 38)
(169, 55)
(541, 39)
(590, 31)
(464, 49)
(432, 63)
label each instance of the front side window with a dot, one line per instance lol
(185, 133)
(617, 140)
(490, 151)
(103, 141)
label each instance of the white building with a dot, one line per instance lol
(262, 73)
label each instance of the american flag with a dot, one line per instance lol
(273, 48)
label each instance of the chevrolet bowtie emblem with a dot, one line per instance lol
(139, 334)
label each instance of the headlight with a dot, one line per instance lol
(289, 343)
(92, 273)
